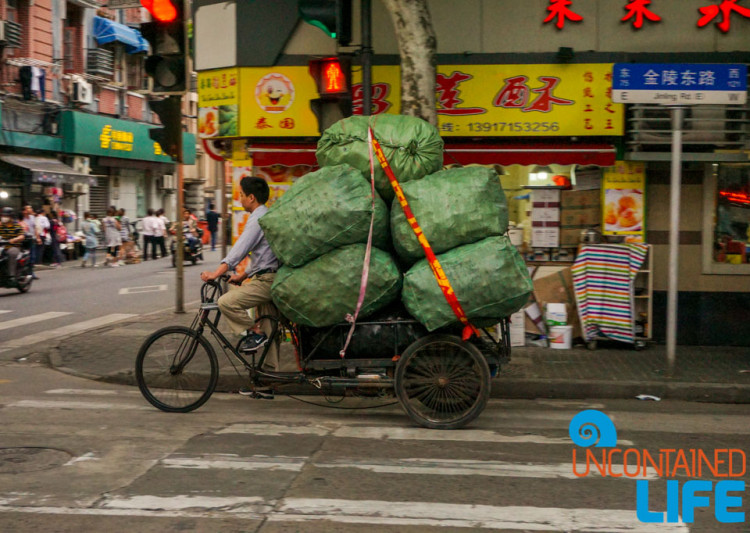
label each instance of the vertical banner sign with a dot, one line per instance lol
(623, 198)
(218, 103)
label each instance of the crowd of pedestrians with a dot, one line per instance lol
(114, 234)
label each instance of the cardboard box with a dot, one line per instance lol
(580, 218)
(555, 285)
(545, 196)
(545, 237)
(581, 199)
(570, 238)
(545, 214)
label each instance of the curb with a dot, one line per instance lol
(509, 389)
(528, 389)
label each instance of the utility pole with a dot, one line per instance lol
(366, 26)
(179, 237)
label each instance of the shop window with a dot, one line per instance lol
(726, 232)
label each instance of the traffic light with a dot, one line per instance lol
(334, 17)
(333, 79)
(169, 136)
(168, 63)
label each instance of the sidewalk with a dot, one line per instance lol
(711, 374)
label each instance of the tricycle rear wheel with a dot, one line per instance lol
(442, 382)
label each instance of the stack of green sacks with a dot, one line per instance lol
(464, 216)
(319, 228)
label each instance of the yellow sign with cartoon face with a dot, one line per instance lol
(276, 102)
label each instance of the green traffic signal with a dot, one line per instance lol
(334, 17)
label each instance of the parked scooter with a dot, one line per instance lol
(24, 277)
(191, 252)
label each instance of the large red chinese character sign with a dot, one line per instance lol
(637, 11)
(726, 9)
(558, 9)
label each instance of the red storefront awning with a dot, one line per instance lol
(285, 154)
(543, 153)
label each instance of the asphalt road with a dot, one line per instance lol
(83, 456)
(73, 299)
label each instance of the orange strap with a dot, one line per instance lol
(437, 270)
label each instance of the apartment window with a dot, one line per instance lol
(72, 39)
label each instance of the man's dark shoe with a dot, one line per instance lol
(252, 342)
(261, 394)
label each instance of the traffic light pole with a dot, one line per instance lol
(366, 21)
(179, 237)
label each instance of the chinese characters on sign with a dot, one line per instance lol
(690, 83)
(116, 140)
(512, 100)
(561, 11)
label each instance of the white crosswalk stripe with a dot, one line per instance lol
(57, 333)
(41, 317)
(399, 433)
(416, 466)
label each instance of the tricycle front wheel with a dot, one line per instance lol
(442, 382)
(176, 369)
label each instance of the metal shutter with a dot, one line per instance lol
(99, 197)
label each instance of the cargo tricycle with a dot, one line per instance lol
(440, 380)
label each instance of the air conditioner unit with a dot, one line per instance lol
(82, 92)
(81, 164)
(81, 188)
(704, 124)
(167, 182)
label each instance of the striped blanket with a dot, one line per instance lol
(603, 277)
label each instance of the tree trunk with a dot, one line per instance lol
(417, 44)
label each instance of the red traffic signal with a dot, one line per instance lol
(161, 10)
(330, 77)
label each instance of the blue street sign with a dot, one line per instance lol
(679, 83)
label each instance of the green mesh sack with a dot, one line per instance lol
(325, 290)
(453, 207)
(323, 211)
(412, 146)
(489, 278)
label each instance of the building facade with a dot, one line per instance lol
(75, 117)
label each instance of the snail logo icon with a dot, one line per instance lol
(593, 428)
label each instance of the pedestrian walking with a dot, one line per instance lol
(149, 228)
(112, 237)
(213, 224)
(58, 235)
(125, 235)
(29, 221)
(43, 239)
(167, 224)
(160, 233)
(91, 241)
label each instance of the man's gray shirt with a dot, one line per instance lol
(253, 240)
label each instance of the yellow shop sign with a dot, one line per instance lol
(116, 139)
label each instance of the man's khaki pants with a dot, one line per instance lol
(255, 292)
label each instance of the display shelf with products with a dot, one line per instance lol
(643, 288)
